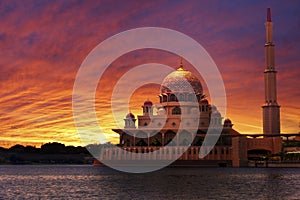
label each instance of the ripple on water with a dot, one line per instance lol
(78, 182)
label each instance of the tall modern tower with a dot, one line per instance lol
(271, 112)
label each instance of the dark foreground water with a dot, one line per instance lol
(88, 182)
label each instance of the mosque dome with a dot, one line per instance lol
(180, 81)
(213, 108)
(227, 121)
(148, 103)
(130, 115)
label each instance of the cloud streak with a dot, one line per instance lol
(43, 43)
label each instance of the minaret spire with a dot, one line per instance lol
(271, 113)
(269, 15)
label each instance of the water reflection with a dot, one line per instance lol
(77, 182)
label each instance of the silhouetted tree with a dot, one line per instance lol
(54, 147)
(31, 149)
(17, 148)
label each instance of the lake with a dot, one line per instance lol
(88, 182)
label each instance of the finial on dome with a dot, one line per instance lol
(269, 15)
(181, 65)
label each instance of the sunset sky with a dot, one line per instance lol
(43, 44)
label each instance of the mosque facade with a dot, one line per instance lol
(185, 111)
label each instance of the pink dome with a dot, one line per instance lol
(148, 103)
(130, 115)
(213, 108)
(181, 81)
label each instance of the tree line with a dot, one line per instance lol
(49, 153)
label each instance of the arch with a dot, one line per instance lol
(169, 135)
(141, 138)
(171, 143)
(185, 138)
(155, 142)
(165, 98)
(198, 141)
(176, 111)
(190, 97)
(173, 97)
(127, 142)
(198, 97)
(141, 143)
(155, 139)
(181, 97)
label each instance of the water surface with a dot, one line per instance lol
(88, 182)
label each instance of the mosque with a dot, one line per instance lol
(178, 110)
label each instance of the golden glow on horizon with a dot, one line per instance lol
(35, 119)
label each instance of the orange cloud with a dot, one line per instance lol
(42, 45)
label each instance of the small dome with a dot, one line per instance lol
(213, 108)
(181, 81)
(215, 114)
(203, 101)
(227, 121)
(130, 115)
(148, 103)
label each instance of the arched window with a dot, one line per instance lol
(160, 99)
(181, 97)
(198, 97)
(176, 111)
(172, 97)
(190, 97)
(165, 98)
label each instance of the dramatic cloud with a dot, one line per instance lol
(43, 43)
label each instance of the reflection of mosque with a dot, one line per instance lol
(178, 114)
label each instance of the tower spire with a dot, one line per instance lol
(181, 65)
(180, 61)
(269, 15)
(271, 112)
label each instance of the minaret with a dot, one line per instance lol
(271, 113)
